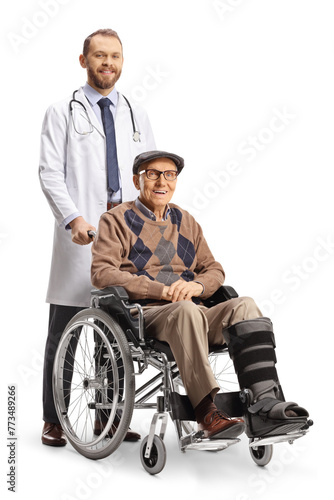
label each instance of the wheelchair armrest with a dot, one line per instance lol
(119, 292)
(221, 295)
(115, 301)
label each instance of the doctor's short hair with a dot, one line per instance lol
(103, 32)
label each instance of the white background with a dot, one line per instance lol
(212, 76)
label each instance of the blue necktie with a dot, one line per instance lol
(109, 130)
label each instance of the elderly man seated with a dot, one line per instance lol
(157, 252)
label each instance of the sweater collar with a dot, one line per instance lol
(148, 213)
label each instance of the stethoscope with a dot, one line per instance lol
(135, 136)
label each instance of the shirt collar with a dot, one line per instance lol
(94, 96)
(148, 213)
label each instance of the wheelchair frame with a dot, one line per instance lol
(105, 385)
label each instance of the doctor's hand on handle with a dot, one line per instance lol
(80, 231)
(182, 290)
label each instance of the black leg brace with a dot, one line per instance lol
(251, 345)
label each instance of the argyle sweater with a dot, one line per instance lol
(141, 255)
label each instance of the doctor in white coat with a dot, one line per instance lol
(73, 176)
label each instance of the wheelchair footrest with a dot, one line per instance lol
(195, 441)
(212, 444)
(265, 441)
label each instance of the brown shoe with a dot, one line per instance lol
(219, 425)
(53, 435)
(129, 436)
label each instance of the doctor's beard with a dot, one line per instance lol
(101, 82)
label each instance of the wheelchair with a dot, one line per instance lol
(102, 351)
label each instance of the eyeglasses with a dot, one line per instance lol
(154, 175)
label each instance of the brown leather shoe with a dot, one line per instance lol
(129, 436)
(53, 435)
(219, 425)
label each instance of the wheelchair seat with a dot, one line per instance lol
(161, 346)
(115, 301)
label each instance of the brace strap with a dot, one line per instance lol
(249, 358)
(247, 379)
(239, 343)
(264, 405)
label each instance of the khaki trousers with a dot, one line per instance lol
(189, 329)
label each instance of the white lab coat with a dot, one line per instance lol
(73, 177)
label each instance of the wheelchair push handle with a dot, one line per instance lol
(91, 233)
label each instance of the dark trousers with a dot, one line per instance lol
(59, 316)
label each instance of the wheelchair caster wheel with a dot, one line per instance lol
(157, 460)
(262, 454)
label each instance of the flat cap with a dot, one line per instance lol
(153, 155)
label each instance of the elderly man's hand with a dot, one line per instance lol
(182, 290)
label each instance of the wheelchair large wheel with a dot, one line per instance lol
(93, 383)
